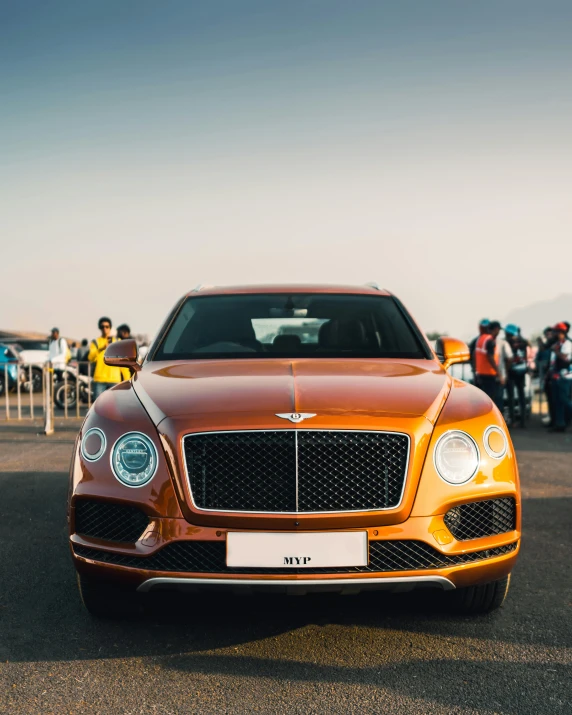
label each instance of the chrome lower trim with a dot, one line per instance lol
(396, 583)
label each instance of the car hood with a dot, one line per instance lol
(34, 357)
(217, 393)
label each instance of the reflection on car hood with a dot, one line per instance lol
(384, 387)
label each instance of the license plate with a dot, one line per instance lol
(340, 548)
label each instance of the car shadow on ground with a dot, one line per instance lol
(479, 685)
(41, 617)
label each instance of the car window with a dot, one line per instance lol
(34, 344)
(290, 326)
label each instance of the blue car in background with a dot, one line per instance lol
(8, 367)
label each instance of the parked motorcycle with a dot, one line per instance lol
(69, 383)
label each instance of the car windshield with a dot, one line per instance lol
(9, 352)
(32, 345)
(290, 326)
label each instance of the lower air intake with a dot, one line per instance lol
(210, 557)
(482, 518)
(109, 521)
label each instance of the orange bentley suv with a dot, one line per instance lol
(293, 439)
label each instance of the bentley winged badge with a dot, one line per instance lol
(295, 416)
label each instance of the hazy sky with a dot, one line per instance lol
(149, 146)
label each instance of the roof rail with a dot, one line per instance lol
(374, 285)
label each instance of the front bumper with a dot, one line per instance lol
(419, 553)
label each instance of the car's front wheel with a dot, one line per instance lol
(476, 600)
(104, 600)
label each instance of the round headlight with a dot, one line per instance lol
(134, 459)
(495, 442)
(456, 457)
(93, 444)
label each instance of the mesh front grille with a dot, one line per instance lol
(112, 522)
(481, 518)
(297, 470)
(210, 557)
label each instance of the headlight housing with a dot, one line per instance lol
(93, 444)
(495, 441)
(456, 457)
(134, 459)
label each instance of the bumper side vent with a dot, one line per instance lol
(481, 518)
(109, 521)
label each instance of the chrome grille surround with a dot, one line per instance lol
(298, 453)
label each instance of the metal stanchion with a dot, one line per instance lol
(77, 384)
(7, 391)
(65, 394)
(18, 393)
(52, 404)
(31, 384)
(48, 402)
(88, 385)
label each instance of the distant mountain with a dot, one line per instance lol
(535, 317)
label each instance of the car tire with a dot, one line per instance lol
(481, 599)
(37, 380)
(60, 394)
(104, 600)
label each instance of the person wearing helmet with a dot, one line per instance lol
(542, 359)
(517, 371)
(561, 377)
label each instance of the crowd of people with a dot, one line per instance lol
(501, 364)
(104, 376)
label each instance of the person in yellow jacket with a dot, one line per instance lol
(104, 376)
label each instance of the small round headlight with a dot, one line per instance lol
(495, 442)
(134, 459)
(93, 444)
(456, 457)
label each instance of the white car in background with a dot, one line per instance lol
(32, 353)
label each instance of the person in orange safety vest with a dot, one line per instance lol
(488, 374)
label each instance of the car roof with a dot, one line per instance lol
(369, 289)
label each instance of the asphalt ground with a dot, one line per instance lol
(367, 653)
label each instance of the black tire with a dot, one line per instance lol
(481, 599)
(104, 600)
(84, 394)
(2, 385)
(37, 380)
(60, 393)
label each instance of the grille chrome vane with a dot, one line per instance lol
(296, 471)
